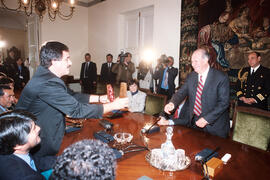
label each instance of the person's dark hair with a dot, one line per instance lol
(109, 55)
(2, 87)
(257, 53)
(170, 58)
(128, 53)
(87, 54)
(15, 127)
(18, 59)
(21, 59)
(86, 159)
(51, 51)
(6, 81)
(133, 81)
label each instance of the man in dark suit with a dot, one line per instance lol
(88, 75)
(21, 74)
(48, 98)
(253, 84)
(107, 76)
(18, 134)
(207, 92)
(166, 77)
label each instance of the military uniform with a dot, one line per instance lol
(255, 86)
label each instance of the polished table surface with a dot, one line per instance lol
(246, 162)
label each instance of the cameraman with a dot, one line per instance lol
(124, 68)
(166, 74)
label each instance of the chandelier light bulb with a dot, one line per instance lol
(25, 2)
(72, 2)
(40, 7)
(54, 5)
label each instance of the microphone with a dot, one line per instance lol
(106, 124)
(153, 128)
(206, 154)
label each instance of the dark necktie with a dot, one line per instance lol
(86, 69)
(198, 104)
(253, 72)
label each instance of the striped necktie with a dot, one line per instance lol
(176, 113)
(198, 104)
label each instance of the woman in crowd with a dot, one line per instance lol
(136, 98)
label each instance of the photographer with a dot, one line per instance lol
(166, 75)
(124, 68)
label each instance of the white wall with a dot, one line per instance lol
(97, 30)
(167, 29)
(105, 23)
(104, 31)
(73, 33)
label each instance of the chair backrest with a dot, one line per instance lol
(101, 88)
(154, 103)
(252, 127)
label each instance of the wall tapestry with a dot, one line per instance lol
(229, 29)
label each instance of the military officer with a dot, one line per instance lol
(253, 85)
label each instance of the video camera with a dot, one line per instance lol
(122, 56)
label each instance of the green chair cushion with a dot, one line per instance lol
(154, 104)
(252, 129)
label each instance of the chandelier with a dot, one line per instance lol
(40, 7)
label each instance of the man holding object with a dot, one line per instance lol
(48, 98)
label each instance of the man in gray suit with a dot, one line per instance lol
(207, 92)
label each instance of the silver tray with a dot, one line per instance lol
(187, 163)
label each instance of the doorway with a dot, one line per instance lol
(20, 34)
(138, 33)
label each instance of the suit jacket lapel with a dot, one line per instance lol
(258, 71)
(207, 81)
(249, 69)
(194, 89)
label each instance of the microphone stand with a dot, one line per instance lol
(147, 131)
(142, 134)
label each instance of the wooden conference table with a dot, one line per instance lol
(246, 162)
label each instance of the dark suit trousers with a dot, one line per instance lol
(88, 86)
(165, 92)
